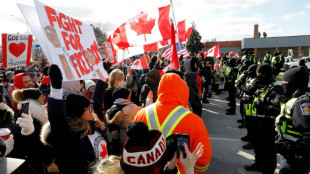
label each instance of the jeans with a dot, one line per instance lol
(300, 167)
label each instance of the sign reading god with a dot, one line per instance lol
(16, 50)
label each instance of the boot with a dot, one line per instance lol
(248, 146)
(205, 101)
(253, 167)
(240, 121)
(241, 126)
(245, 138)
(230, 112)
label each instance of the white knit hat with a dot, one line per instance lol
(89, 83)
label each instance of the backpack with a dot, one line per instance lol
(132, 80)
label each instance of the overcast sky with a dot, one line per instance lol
(220, 19)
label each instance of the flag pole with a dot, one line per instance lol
(175, 24)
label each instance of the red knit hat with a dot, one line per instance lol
(18, 80)
(46, 80)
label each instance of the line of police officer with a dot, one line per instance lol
(267, 104)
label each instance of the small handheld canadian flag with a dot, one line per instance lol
(140, 64)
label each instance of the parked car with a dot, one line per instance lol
(292, 64)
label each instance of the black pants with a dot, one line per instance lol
(205, 91)
(265, 154)
(231, 95)
(242, 109)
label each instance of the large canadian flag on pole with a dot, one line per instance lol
(141, 33)
(213, 52)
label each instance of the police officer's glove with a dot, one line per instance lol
(282, 148)
(271, 111)
(55, 76)
(259, 105)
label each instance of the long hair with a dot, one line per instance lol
(78, 124)
(114, 75)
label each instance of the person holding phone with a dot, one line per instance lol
(30, 101)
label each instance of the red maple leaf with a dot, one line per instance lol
(104, 152)
(143, 26)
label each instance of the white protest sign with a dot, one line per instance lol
(16, 50)
(67, 42)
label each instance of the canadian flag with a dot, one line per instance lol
(213, 52)
(167, 68)
(140, 64)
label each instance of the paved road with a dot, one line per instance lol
(228, 157)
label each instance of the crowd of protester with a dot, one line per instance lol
(126, 124)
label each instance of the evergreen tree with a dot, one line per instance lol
(194, 44)
(101, 37)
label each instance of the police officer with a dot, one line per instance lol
(275, 62)
(268, 58)
(266, 106)
(252, 84)
(241, 81)
(293, 124)
(252, 57)
(231, 76)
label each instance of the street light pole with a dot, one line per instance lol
(22, 22)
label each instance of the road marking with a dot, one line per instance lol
(224, 139)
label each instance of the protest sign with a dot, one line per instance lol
(67, 42)
(16, 50)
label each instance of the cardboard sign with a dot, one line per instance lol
(16, 50)
(67, 42)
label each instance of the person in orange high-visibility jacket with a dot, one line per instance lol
(171, 104)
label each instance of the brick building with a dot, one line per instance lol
(299, 44)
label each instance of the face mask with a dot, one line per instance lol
(288, 90)
(119, 84)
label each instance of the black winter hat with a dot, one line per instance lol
(180, 73)
(76, 105)
(265, 69)
(144, 150)
(252, 68)
(152, 76)
(31, 93)
(121, 93)
(298, 76)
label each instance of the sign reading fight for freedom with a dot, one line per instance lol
(67, 42)
(16, 50)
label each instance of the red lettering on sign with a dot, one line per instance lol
(141, 159)
(72, 25)
(51, 13)
(67, 42)
(73, 58)
(65, 25)
(85, 58)
(95, 50)
(78, 23)
(129, 158)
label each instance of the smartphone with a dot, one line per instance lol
(180, 139)
(24, 109)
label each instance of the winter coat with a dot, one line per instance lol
(38, 154)
(108, 99)
(73, 154)
(123, 118)
(173, 92)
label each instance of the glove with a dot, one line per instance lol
(282, 147)
(259, 105)
(26, 123)
(55, 76)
